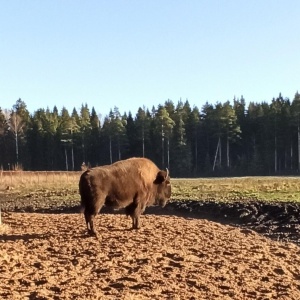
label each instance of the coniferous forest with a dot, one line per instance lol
(222, 139)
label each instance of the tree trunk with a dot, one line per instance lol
(72, 157)
(110, 151)
(298, 148)
(143, 139)
(17, 149)
(66, 156)
(162, 147)
(196, 153)
(82, 145)
(291, 157)
(227, 149)
(216, 155)
(285, 158)
(275, 154)
(119, 149)
(168, 153)
(220, 153)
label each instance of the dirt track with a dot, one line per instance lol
(49, 256)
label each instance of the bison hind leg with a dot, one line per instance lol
(89, 219)
(90, 212)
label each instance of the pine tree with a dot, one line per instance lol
(164, 124)
(193, 132)
(94, 141)
(181, 154)
(142, 122)
(114, 128)
(84, 129)
(3, 132)
(295, 114)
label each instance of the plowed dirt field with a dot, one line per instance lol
(50, 256)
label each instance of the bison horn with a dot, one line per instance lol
(167, 173)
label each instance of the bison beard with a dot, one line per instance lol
(134, 184)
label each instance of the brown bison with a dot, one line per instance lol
(134, 183)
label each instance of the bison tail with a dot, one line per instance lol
(85, 191)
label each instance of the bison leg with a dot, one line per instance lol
(89, 219)
(134, 210)
(90, 215)
(136, 222)
(91, 212)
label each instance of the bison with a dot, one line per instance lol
(133, 184)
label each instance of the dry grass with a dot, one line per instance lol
(11, 180)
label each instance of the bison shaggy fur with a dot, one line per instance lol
(133, 184)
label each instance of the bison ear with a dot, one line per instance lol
(160, 177)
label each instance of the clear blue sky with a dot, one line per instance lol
(134, 53)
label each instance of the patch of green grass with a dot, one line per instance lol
(237, 188)
(43, 192)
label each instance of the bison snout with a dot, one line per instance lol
(162, 202)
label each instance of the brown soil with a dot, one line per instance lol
(50, 256)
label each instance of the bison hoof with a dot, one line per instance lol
(92, 232)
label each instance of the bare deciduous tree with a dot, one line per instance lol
(16, 125)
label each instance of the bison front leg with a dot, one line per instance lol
(135, 222)
(134, 210)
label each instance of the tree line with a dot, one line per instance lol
(222, 139)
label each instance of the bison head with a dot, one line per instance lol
(162, 182)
